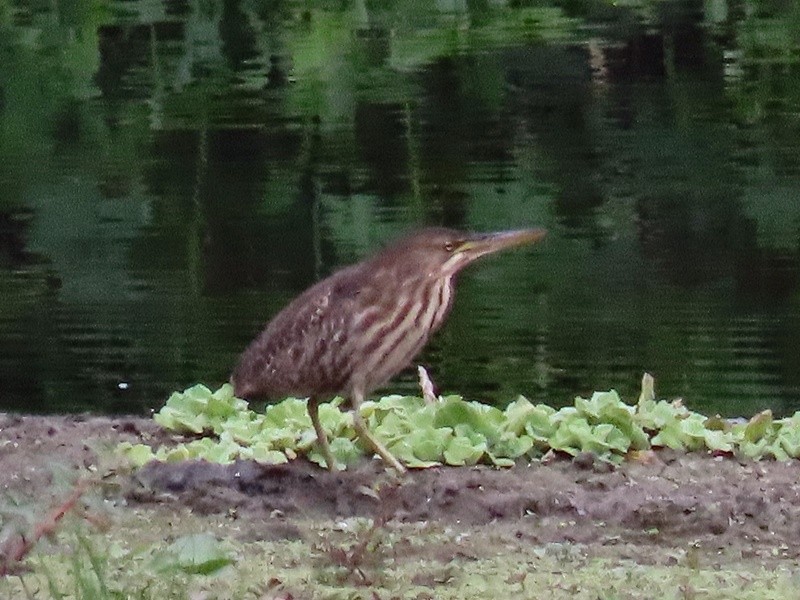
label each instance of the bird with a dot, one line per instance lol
(353, 331)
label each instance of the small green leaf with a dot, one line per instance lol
(291, 413)
(789, 442)
(392, 428)
(517, 414)
(612, 438)
(262, 453)
(721, 441)
(182, 421)
(345, 451)
(404, 405)
(198, 554)
(511, 446)
(573, 435)
(138, 454)
(755, 450)
(693, 431)
(758, 426)
(594, 407)
(176, 454)
(481, 418)
(777, 452)
(659, 415)
(540, 424)
(499, 461)
(717, 423)
(670, 437)
(463, 451)
(403, 451)
(428, 445)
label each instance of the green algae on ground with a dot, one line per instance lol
(408, 561)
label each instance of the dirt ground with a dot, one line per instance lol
(641, 510)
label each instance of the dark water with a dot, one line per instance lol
(171, 173)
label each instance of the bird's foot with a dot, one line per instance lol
(375, 444)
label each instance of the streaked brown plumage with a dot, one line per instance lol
(355, 330)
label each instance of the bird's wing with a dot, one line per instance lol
(302, 350)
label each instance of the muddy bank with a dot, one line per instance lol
(672, 499)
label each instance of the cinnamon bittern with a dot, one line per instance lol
(352, 332)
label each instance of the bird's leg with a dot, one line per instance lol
(365, 434)
(322, 437)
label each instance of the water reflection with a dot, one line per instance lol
(172, 173)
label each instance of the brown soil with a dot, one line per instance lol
(751, 509)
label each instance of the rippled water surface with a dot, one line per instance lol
(172, 173)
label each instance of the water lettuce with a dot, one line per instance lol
(218, 427)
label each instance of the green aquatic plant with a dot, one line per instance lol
(197, 554)
(222, 428)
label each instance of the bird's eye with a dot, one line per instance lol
(448, 246)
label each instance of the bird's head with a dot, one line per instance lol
(442, 252)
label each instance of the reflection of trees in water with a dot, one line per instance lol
(381, 135)
(550, 90)
(458, 123)
(692, 236)
(698, 237)
(237, 35)
(251, 159)
(14, 253)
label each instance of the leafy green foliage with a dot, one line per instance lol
(197, 554)
(456, 432)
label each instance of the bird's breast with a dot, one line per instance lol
(390, 335)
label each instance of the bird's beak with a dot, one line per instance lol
(486, 243)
